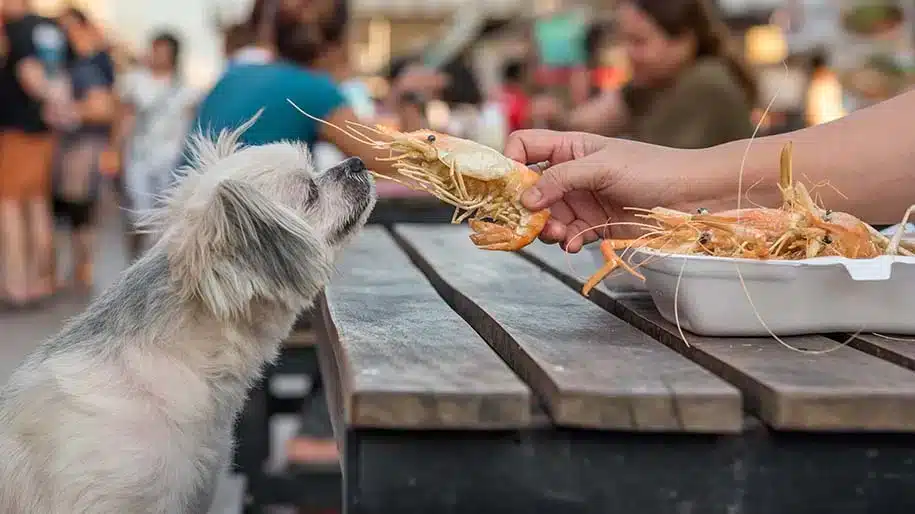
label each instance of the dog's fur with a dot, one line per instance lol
(130, 408)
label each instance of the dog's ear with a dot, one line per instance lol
(239, 247)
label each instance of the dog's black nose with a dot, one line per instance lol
(354, 166)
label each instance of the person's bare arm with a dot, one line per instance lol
(868, 155)
(32, 78)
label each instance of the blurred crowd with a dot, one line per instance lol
(74, 119)
(78, 116)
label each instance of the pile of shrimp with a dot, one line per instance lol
(799, 229)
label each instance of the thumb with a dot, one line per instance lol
(585, 174)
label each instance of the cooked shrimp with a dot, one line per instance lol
(483, 185)
(799, 229)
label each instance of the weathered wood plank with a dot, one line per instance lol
(899, 350)
(404, 359)
(590, 368)
(842, 390)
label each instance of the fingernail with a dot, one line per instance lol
(531, 196)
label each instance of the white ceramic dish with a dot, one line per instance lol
(820, 295)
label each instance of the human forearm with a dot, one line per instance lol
(866, 155)
(33, 80)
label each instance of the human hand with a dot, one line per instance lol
(59, 114)
(590, 180)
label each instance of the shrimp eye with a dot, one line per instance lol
(827, 215)
(702, 210)
(430, 138)
(704, 238)
(827, 240)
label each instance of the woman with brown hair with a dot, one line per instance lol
(689, 88)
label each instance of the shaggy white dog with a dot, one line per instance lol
(130, 408)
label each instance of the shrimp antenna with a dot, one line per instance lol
(893, 247)
(786, 173)
(357, 128)
(355, 135)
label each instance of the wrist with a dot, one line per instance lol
(697, 178)
(720, 178)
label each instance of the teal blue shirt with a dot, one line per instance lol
(246, 88)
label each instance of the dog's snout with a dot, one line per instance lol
(350, 168)
(354, 166)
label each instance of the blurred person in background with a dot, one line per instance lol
(33, 93)
(241, 47)
(595, 38)
(307, 44)
(4, 43)
(689, 88)
(156, 108)
(823, 99)
(334, 61)
(76, 176)
(514, 97)
(251, 41)
(412, 87)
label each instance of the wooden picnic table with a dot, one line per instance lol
(462, 380)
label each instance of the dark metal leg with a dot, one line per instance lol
(252, 446)
(318, 487)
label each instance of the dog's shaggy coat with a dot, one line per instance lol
(130, 408)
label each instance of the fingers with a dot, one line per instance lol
(586, 174)
(572, 221)
(554, 232)
(527, 146)
(589, 215)
(571, 238)
(578, 235)
(557, 226)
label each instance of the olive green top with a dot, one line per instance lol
(704, 107)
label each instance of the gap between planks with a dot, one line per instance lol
(846, 390)
(598, 372)
(392, 371)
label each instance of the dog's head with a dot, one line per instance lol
(253, 224)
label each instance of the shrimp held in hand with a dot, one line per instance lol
(483, 185)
